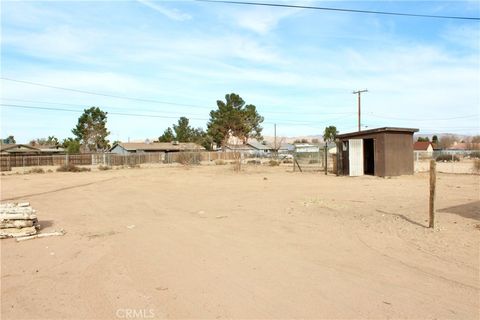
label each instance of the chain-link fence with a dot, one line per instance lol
(448, 161)
(7, 162)
(313, 158)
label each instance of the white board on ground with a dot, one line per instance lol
(355, 157)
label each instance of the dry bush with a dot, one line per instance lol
(254, 161)
(37, 170)
(475, 155)
(447, 158)
(220, 162)
(237, 161)
(273, 163)
(187, 158)
(71, 168)
(476, 165)
(104, 168)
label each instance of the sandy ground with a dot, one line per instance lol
(206, 242)
(465, 166)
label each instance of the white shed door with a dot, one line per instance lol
(355, 157)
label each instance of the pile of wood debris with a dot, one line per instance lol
(17, 220)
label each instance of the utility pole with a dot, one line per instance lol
(359, 92)
(275, 140)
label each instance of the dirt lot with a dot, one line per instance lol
(205, 242)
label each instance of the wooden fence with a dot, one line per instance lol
(110, 159)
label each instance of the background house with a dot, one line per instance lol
(18, 149)
(425, 146)
(306, 147)
(142, 147)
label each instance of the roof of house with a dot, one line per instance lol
(287, 146)
(421, 145)
(51, 148)
(458, 146)
(259, 146)
(158, 146)
(245, 147)
(17, 148)
(377, 130)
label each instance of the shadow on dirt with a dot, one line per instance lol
(401, 216)
(468, 210)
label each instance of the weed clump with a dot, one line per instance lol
(476, 165)
(220, 162)
(447, 158)
(187, 158)
(71, 168)
(273, 163)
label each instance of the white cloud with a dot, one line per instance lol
(59, 42)
(173, 14)
(465, 35)
(261, 20)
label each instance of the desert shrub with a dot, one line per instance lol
(475, 155)
(311, 161)
(447, 158)
(37, 170)
(287, 161)
(49, 170)
(476, 165)
(104, 168)
(273, 163)
(220, 162)
(187, 158)
(254, 161)
(71, 168)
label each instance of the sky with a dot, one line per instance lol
(151, 62)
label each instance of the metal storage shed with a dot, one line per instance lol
(381, 152)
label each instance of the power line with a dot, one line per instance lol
(175, 112)
(295, 123)
(342, 10)
(102, 94)
(429, 119)
(134, 98)
(80, 111)
(83, 106)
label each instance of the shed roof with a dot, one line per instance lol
(377, 130)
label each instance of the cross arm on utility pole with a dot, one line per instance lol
(359, 92)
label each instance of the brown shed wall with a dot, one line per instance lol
(393, 152)
(379, 143)
(398, 154)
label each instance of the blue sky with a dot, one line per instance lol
(299, 67)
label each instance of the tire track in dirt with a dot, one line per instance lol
(458, 283)
(57, 190)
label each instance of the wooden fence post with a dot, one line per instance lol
(431, 207)
(326, 159)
